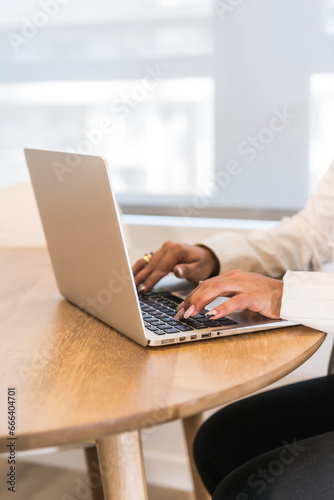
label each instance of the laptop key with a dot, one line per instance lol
(157, 314)
(194, 324)
(150, 303)
(150, 319)
(172, 330)
(150, 327)
(153, 328)
(183, 328)
(145, 308)
(165, 318)
(169, 312)
(172, 305)
(165, 327)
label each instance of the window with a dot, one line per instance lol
(157, 136)
(322, 125)
(105, 61)
(207, 107)
(329, 16)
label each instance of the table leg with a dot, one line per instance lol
(190, 427)
(122, 466)
(92, 460)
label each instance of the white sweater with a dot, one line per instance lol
(296, 248)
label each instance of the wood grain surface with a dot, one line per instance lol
(77, 379)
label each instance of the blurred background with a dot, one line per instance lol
(185, 87)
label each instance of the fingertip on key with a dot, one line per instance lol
(179, 314)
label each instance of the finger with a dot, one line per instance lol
(191, 272)
(188, 297)
(138, 266)
(237, 302)
(152, 280)
(147, 268)
(208, 291)
(158, 267)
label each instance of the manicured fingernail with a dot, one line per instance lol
(179, 271)
(200, 282)
(179, 314)
(189, 312)
(213, 312)
(141, 288)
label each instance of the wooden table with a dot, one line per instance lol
(77, 380)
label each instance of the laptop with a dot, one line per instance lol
(87, 248)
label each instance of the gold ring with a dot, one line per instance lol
(147, 257)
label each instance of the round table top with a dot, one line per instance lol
(77, 379)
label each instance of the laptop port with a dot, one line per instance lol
(217, 333)
(193, 337)
(167, 341)
(181, 339)
(206, 335)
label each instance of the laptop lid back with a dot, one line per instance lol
(84, 236)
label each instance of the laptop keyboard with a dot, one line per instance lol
(159, 309)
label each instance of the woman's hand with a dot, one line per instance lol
(190, 262)
(247, 291)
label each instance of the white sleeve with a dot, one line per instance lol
(299, 243)
(308, 298)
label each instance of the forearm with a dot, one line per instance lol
(292, 244)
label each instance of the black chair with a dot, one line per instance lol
(295, 468)
(299, 471)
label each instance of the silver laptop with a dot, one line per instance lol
(91, 264)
